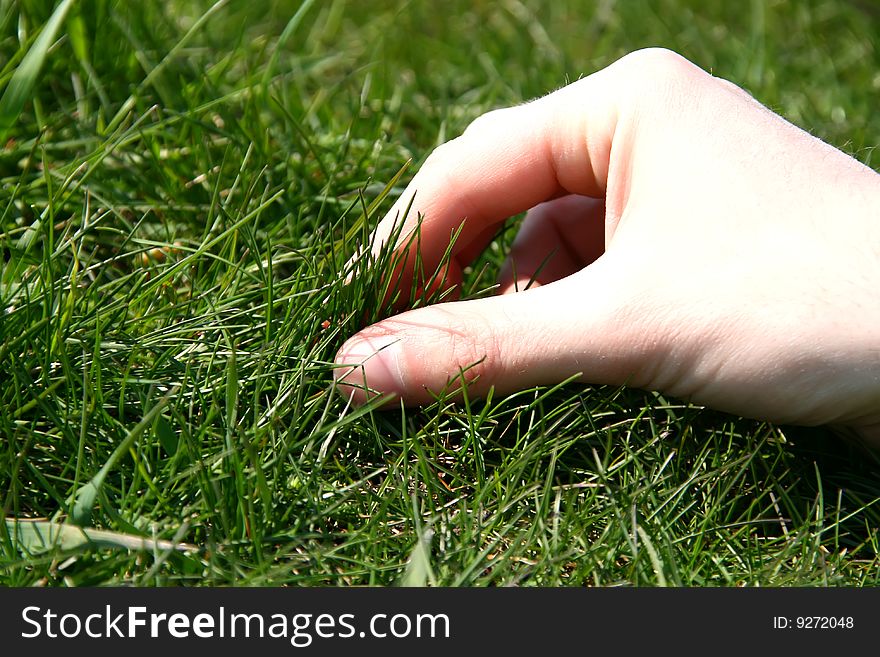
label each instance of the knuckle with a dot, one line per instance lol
(442, 155)
(487, 121)
(657, 62)
(657, 73)
(486, 126)
(472, 349)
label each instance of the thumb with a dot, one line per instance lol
(578, 326)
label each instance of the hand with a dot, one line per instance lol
(698, 245)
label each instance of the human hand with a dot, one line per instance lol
(694, 243)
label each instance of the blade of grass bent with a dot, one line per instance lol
(36, 536)
(24, 79)
(84, 498)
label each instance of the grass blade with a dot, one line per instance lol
(24, 79)
(160, 67)
(36, 536)
(418, 570)
(84, 499)
(288, 32)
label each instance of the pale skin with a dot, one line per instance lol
(680, 237)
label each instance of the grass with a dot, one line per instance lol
(178, 198)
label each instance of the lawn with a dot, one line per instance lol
(180, 191)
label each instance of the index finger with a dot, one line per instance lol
(506, 162)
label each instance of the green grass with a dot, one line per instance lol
(178, 198)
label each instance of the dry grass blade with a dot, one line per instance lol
(36, 536)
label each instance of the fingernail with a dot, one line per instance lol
(373, 363)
